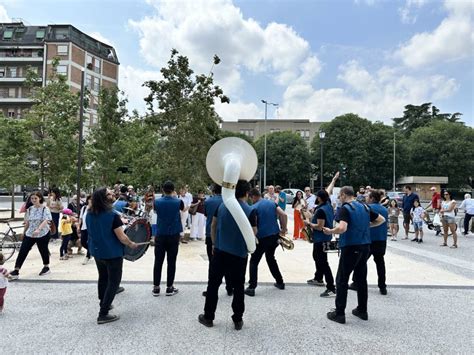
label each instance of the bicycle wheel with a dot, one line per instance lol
(7, 246)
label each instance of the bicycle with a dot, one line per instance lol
(10, 241)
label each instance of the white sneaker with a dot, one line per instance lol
(85, 261)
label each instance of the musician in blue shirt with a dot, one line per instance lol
(169, 227)
(229, 256)
(268, 233)
(355, 220)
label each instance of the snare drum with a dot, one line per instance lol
(138, 231)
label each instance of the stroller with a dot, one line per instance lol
(435, 224)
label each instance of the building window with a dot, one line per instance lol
(247, 132)
(96, 84)
(273, 130)
(12, 72)
(40, 34)
(11, 92)
(62, 49)
(62, 69)
(89, 81)
(11, 112)
(89, 64)
(97, 65)
(8, 34)
(2, 72)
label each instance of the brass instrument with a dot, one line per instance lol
(307, 232)
(286, 242)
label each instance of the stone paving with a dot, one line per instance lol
(429, 307)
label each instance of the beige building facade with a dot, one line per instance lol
(35, 47)
(255, 128)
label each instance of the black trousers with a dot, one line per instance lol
(27, 244)
(352, 258)
(110, 275)
(467, 219)
(84, 241)
(235, 266)
(265, 246)
(228, 283)
(377, 250)
(165, 245)
(322, 266)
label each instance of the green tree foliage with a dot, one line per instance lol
(365, 148)
(106, 149)
(224, 134)
(443, 149)
(288, 162)
(53, 120)
(420, 116)
(181, 110)
(15, 143)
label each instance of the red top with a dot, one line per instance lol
(436, 200)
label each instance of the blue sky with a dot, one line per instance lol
(316, 59)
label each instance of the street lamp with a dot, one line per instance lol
(79, 151)
(265, 144)
(322, 134)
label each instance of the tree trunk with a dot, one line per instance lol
(13, 202)
(42, 174)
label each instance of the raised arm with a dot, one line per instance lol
(331, 185)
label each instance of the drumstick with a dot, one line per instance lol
(143, 243)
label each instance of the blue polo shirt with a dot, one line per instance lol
(210, 207)
(282, 204)
(168, 218)
(267, 224)
(102, 242)
(408, 202)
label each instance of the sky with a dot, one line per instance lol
(316, 59)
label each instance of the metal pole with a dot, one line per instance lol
(265, 151)
(321, 164)
(394, 150)
(260, 179)
(79, 151)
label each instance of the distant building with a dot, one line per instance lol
(255, 128)
(422, 184)
(36, 46)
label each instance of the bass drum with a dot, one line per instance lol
(139, 232)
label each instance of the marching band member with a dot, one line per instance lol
(355, 220)
(230, 256)
(267, 235)
(167, 209)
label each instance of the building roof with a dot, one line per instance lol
(422, 180)
(16, 33)
(255, 120)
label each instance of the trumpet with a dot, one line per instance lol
(286, 242)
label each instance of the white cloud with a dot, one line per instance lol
(376, 96)
(131, 80)
(408, 12)
(452, 40)
(3, 14)
(199, 29)
(238, 110)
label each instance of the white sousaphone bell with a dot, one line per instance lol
(229, 160)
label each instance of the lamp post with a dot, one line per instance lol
(322, 134)
(265, 144)
(79, 151)
(394, 160)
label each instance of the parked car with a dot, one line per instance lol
(4, 191)
(290, 194)
(397, 196)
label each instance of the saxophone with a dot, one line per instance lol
(286, 242)
(307, 232)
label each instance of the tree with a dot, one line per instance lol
(15, 169)
(224, 134)
(443, 149)
(364, 148)
(53, 120)
(288, 162)
(421, 116)
(181, 110)
(106, 149)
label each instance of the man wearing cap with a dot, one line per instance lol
(435, 203)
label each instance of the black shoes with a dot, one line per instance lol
(204, 293)
(360, 314)
(280, 286)
(107, 319)
(414, 240)
(206, 322)
(238, 325)
(336, 317)
(383, 291)
(14, 275)
(44, 271)
(156, 291)
(171, 291)
(353, 286)
(250, 291)
(119, 290)
(420, 241)
(315, 282)
(230, 292)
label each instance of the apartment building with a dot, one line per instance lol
(35, 47)
(255, 128)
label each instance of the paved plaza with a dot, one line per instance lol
(428, 308)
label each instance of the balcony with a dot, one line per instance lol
(24, 98)
(27, 56)
(9, 78)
